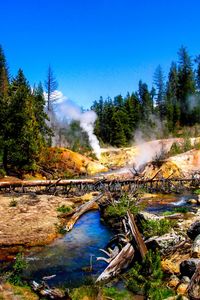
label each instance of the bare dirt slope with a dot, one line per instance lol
(33, 221)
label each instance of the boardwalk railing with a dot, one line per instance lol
(79, 186)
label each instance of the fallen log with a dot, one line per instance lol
(194, 286)
(118, 263)
(136, 234)
(49, 293)
(90, 205)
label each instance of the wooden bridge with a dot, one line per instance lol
(81, 186)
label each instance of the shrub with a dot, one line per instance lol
(197, 192)
(13, 203)
(17, 269)
(147, 278)
(119, 208)
(156, 227)
(64, 209)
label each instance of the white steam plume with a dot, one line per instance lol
(86, 119)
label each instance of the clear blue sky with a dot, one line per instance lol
(96, 47)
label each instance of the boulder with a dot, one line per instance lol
(196, 247)
(165, 243)
(194, 230)
(192, 201)
(188, 267)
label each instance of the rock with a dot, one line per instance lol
(170, 267)
(173, 282)
(165, 243)
(182, 288)
(188, 267)
(194, 230)
(185, 279)
(146, 216)
(196, 247)
(192, 201)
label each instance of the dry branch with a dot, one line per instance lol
(121, 261)
(90, 205)
(136, 234)
(194, 286)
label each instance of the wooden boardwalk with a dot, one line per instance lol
(81, 186)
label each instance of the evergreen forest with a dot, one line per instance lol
(173, 101)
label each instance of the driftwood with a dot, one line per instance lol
(42, 289)
(136, 234)
(119, 262)
(90, 205)
(194, 286)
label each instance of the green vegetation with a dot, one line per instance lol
(60, 229)
(182, 210)
(15, 276)
(165, 108)
(197, 192)
(13, 203)
(166, 105)
(157, 227)
(147, 278)
(119, 208)
(115, 294)
(84, 291)
(64, 209)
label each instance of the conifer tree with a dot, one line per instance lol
(160, 91)
(186, 84)
(4, 104)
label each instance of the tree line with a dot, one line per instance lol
(24, 113)
(175, 102)
(24, 130)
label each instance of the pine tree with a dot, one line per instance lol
(146, 102)
(186, 84)
(160, 91)
(27, 125)
(4, 105)
(172, 103)
(51, 86)
(197, 61)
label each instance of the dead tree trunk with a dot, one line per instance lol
(90, 205)
(119, 262)
(194, 286)
(136, 234)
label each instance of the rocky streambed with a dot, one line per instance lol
(31, 220)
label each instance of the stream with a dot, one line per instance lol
(67, 257)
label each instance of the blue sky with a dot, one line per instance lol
(96, 48)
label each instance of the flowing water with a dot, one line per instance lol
(67, 256)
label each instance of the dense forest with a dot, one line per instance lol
(24, 112)
(173, 103)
